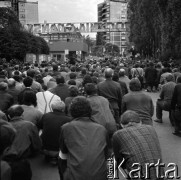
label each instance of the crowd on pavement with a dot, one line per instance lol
(82, 114)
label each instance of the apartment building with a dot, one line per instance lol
(115, 11)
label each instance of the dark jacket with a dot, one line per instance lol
(112, 91)
(61, 90)
(150, 75)
(6, 101)
(15, 93)
(50, 124)
(26, 142)
(123, 87)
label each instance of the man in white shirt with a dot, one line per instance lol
(47, 78)
(44, 101)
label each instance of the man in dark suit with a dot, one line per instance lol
(6, 99)
(176, 108)
(112, 91)
(61, 89)
(12, 89)
(50, 125)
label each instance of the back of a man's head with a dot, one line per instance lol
(121, 73)
(71, 82)
(90, 89)
(55, 67)
(60, 80)
(58, 105)
(96, 74)
(3, 86)
(15, 111)
(80, 107)
(108, 73)
(16, 67)
(169, 78)
(36, 64)
(11, 83)
(16, 78)
(135, 85)
(129, 117)
(31, 73)
(17, 73)
(73, 91)
(178, 79)
(115, 77)
(83, 71)
(46, 69)
(73, 68)
(28, 81)
(2, 74)
(72, 75)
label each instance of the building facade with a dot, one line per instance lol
(27, 12)
(5, 3)
(62, 44)
(115, 11)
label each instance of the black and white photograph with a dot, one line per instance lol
(90, 89)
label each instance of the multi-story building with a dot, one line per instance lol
(115, 11)
(14, 4)
(5, 3)
(26, 11)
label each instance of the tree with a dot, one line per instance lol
(112, 49)
(97, 51)
(155, 26)
(8, 19)
(16, 42)
(90, 42)
(144, 26)
(171, 28)
(100, 39)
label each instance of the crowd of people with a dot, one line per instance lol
(79, 115)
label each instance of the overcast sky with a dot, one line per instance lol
(54, 11)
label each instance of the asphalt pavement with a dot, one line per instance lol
(170, 145)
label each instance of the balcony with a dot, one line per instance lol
(106, 7)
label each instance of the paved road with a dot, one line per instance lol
(170, 145)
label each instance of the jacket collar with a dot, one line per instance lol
(17, 118)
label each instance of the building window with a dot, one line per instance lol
(22, 16)
(123, 16)
(22, 4)
(22, 10)
(123, 12)
(116, 38)
(123, 38)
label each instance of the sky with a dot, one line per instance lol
(63, 11)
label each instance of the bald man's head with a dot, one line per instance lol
(108, 73)
(11, 82)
